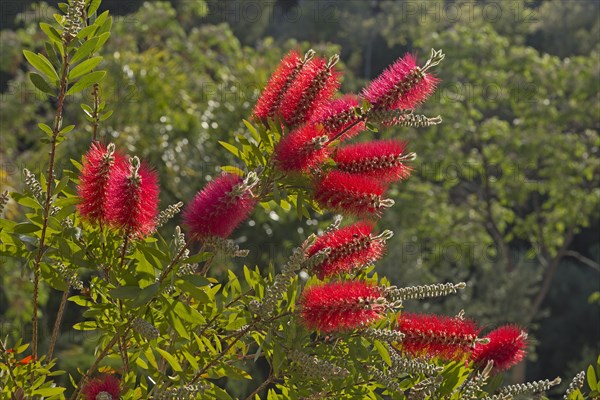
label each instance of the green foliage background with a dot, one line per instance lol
(504, 194)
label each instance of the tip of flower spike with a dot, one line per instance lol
(132, 198)
(302, 150)
(437, 335)
(505, 347)
(220, 207)
(94, 179)
(316, 83)
(341, 306)
(403, 85)
(269, 102)
(383, 160)
(351, 194)
(350, 247)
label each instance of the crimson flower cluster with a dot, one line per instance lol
(116, 191)
(455, 338)
(106, 387)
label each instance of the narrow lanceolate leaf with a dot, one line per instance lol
(51, 32)
(85, 50)
(86, 81)
(41, 63)
(84, 67)
(40, 83)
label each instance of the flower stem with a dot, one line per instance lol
(49, 188)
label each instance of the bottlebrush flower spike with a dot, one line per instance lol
(132, 198)
(302, 149)
(106, 387)
(383, 160)
(286, 73)
(315, 84)
(221, 206)
(94, 180)
(404, 85)
(339, 306)
(337, 115)
(351, 194)
(506, 348)
(350, 248)
(437, 335)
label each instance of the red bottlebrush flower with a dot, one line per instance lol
(437, 335)
(106, 387)
(269, 101)
(381, 160)
(351, 194)
(315, 84)
(302, 149)
(132, 198)
(94, 180)
(337, 115)
(220, 207)
(403, 85)
(506, 348)
(351, 247)
(339, 306)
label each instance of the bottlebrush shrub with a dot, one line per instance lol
(169, 327)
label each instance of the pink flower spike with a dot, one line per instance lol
(351, 247)
(404, 85)
(351, 194)
(286, 73)
(220, 207)
(337, 115)
(302, 149)
(383, 160)
(94, 180)
(506, 348)
(315, 84)
(102, 388)
(132, 198)
(450, 338)
(341, 306)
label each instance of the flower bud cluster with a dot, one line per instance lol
(145, 329)
(411, 365)
(166, 215)
(422, 292)
(70, 276)
(529, 387)
(388, 380)
(575, 384)
(317, 368)
(3, 201)
(34, 186)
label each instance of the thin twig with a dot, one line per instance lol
(262, 386)
(59, 316)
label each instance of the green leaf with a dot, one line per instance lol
(85, 50)
(231, 148)
(94, 4)
(26, 227)
(102, 38)
(45, 128)
(40, 83)
(51, 32)
(41, 63)
(170, 359)
(383, 352)
(146, 294)
(85, 67)
(591, 378)
(232, 170)
(125, 292)
(87, 81)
